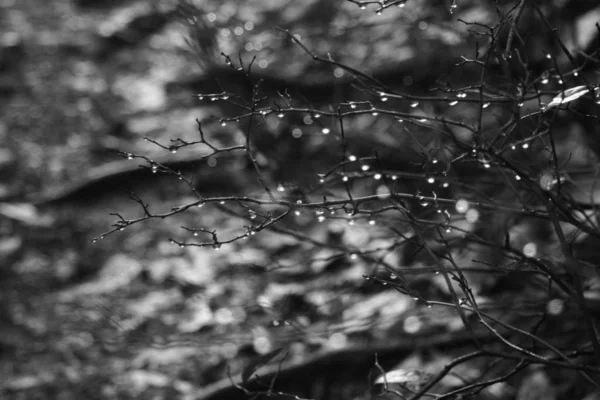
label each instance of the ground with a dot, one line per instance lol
(133, 315)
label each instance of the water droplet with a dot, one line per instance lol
(374, 113)
(362, 7)
(345, 178)
(393, 276)
(353, 256)
(223, 123)
(352, 105)
(378, 12)
(297, 213)
(446, 184)
(399, 120)
(201, 204)
(548, 56)
(352, 158)
(173, 151)
(384, 99)
(434, 161)
(317, 115)
(414, 104)
(486, 105)
(298, 201)
(525, 145)
(320, 218)
(195, 233)
(461, 95)
(280, 188)
(130, 156)
(453, 103)
(394, 177)
(326, 131)
(351, 222)
(365, 167)
(377, 176)
(430, 180)
(321, 180)
(372, 222)
(280, 115)
(216, 246)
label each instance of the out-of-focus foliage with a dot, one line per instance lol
(496, 168)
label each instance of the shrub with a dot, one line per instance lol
(463, 176)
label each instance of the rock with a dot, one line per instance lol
(118, 271)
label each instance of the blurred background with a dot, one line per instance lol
(132, 315)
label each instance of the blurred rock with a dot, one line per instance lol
(141, 94)
(130, 25)
(9, 246)
(25, 213)
(120, 270)
(6, 158)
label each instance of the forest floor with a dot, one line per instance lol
(132, 315)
